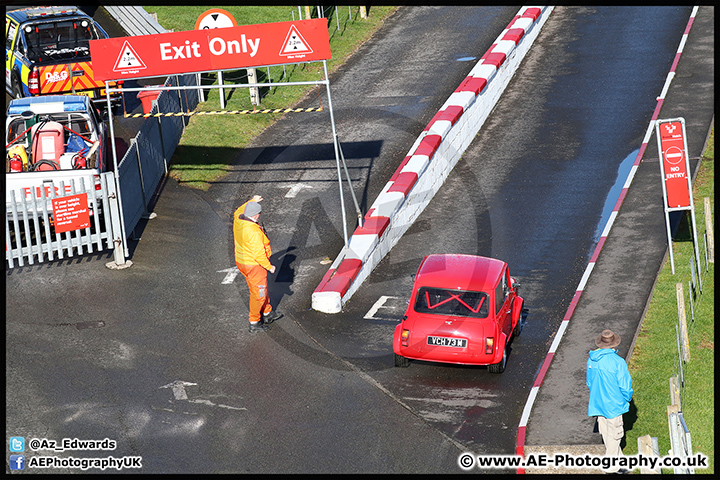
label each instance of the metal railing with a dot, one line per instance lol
(689, 301)
(30, 223)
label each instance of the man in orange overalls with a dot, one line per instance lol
(252, 257)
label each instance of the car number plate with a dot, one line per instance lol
(447, 342)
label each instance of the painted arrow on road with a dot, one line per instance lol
(178, 388)
(294, 189)
(231, 273)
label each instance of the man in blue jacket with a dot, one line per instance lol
(608, 379)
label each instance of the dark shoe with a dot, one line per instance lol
(258, 327)
(268, 318)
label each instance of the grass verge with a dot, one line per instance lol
(655, 357)
(210, 143)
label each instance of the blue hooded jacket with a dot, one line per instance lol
(608, 379)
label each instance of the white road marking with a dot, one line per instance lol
(208, 402)
(178, 388)
(377, 306)
(231, 272)
(294, 189)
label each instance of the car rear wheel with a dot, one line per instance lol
(500, 366)
(401, 361)
(518, 328)
(520, 323)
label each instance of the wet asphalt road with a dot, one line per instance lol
(319, 393)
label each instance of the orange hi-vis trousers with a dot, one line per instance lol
(256, 277)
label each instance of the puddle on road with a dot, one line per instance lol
(614, 194)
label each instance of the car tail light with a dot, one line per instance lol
(404, 337)
(98, 185)
(34, 82)
(489, 345)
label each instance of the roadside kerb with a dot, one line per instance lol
(429, 161)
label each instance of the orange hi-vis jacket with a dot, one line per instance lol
(252, 246)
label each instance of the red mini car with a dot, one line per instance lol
(464, 309)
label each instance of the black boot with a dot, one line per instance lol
(258, 327)
(268, 318)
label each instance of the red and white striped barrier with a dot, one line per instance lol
(429, 161)
(522, 429)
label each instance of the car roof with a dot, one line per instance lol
(48, 104)
(459, 271)
(41, 13)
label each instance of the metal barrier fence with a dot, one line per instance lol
(30, 233)
(146, 161)
(680, 439)
(688, 302)
(30, 236)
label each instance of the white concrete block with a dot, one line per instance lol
(460, 99)
(417, 164)
(387, 203)
(440, 127)
(505, 46)
(360, 246)
(523, 23)
(327, 302)
(484, 70)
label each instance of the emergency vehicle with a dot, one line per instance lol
(47, 51)
(53, 144)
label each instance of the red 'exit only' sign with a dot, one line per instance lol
(210, 50)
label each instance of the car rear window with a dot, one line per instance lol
(60, 40)
(77, 122)
(459, 303)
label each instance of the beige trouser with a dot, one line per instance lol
(612, 433)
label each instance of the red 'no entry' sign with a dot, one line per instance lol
(675, 172)
(207, 50)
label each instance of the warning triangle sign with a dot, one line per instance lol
(128, 59)
(295, 44)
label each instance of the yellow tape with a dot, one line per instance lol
(225, 112)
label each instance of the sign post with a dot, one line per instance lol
(216, 18)
(675, 173)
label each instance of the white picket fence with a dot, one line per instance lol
(30, 234)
